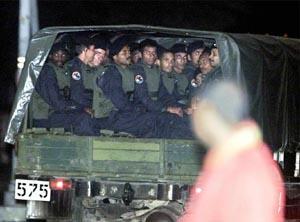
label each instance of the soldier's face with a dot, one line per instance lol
(149, 55)
(167, 62)
(136, 56)
(99, 57)
(214, 57)
(204, 65)
(123, 57)
(59, 58)
(195, 56)
(180, 60)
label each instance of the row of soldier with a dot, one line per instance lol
(144, 91)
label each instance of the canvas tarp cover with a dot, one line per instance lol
(267, 67)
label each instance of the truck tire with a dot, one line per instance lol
(162, 214)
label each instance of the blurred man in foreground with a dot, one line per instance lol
(239, 181)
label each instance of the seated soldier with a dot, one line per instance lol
(85, 68)
(205, 67)
(118, 84)
(56, 60)
(180, 55)
(96, 68)
(167, 90)
(135, 53)
(81, 75)
(215, 74)
(53, 85)
(146, 92)
(214, 56)
(194, 51)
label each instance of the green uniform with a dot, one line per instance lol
(181, 87)
(89, 74)
(152, 79)
(101, 104)
(169, 81)
(81, 82)
(40, 109)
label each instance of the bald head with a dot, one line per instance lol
(217, 109)
(228, 99)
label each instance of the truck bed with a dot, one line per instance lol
(112, 158)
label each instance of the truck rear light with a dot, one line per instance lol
(60, 184)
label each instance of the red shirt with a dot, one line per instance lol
(246, 188)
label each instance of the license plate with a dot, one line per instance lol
(32, 190)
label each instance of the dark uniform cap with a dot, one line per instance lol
(82, 40)
(195, 45)
(68, 41)
(58, 46)
(100, 43)
(148, 42)
(161, 50)
(134, 46)
(178, 47)
(118, 45)
(206, 51)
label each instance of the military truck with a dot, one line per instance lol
(116, 177)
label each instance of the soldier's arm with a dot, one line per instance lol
(47, 88)
(111, 85)
(77, 87)
(181, 91)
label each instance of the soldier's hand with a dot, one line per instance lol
(188, 111)
(175, 110)
(199, 79)
(89, 111)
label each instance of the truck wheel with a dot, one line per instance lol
(162, 215)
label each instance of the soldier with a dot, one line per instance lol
(146, 92)
(215, 74)
(205, 67)
(180, 55)
(81, 77)
(214, 56)
(118, 84)
(53, 86)
(167, 90)
(135, 53)
(100, 53)
(54, 68)
(97, 68)
(194, 51)
(107, 59)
